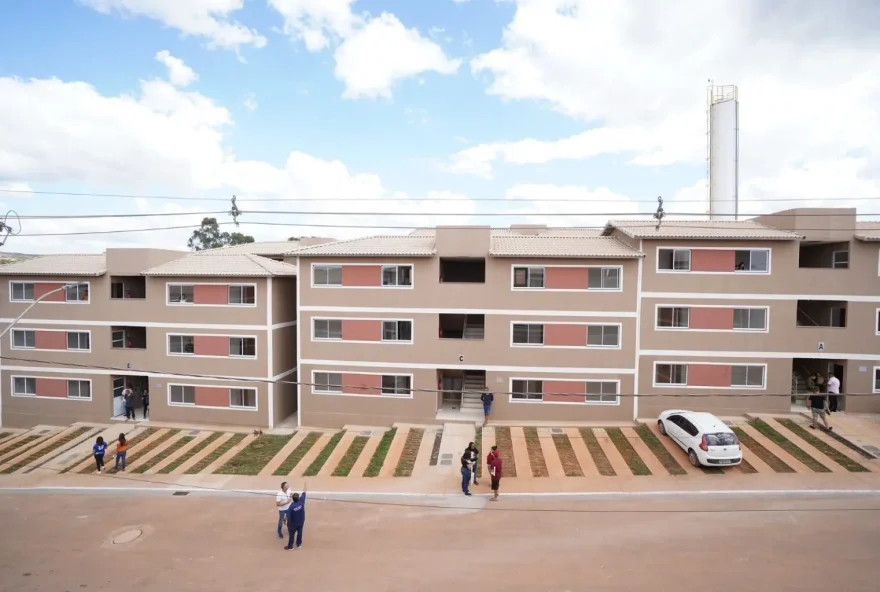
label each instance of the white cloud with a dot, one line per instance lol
(15, 190)
(179, 74)
(250, 102)
(568, 205)
(208, 19)
(808, 75)
(372, 54)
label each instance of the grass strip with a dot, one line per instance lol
(629, 454)
(410, 453)
(790, 447)
(758, 449)
(5, 434)
(570, 465)
(168, 469)
(505, 447)
(659, 450)
(841, 459)
(214, 455)
(603, 465)
(317, 464)
(855, 448)
(745, 467)
(297, 454)
(90, 468)
(163, 455)
(32, 458)
(255, 456)
(435, 451)
(536, 455)
(152, 446)
(346, 463)
(378, 459)
(19, 444)
(478, 442)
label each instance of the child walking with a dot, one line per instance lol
(121, 449)
(99, 449)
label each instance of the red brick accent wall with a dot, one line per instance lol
(354, 384)
(357, 330)
(52, 387)
(711, 318)
(361, 275)
(565, 335)
(50, 340)
(712, 260)
(708, 375)
(211, 294)
(564, 391)
(211, 396)
(565, 278)
(41, 289)
(211, 345)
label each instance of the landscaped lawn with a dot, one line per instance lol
(255, 456)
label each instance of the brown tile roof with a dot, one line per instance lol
(409, 245)
(868, 231)
(266, 249)
(561, 246)
(226, 266)
(58, 265)
(699, 230)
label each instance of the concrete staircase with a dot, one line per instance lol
(473, 387)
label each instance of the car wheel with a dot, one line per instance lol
(692, 456)
(661, 427)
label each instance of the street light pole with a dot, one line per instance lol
(36, 302)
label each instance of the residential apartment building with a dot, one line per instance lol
(210, 338)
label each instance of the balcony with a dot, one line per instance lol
(462, 326)
(125, 287)
(824, 256)
(821, 313)
(129, 337)
(462, 271)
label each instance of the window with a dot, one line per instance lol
(24, 387)
(397, 275)
(671, 374)
(327, 275)
(673, 317)
(242, 347)
(327, 382)
(603, 278)
(117, 290)
(328, 329)
(877, 380)
(242, 294)
(180, 294)
(76, 293)
(528, 277)
(181, 394)
(78, 340)
(22, 338)
(239, 397)
(396, 330)
(181, 344)
(838, 316)
(524, 334)
(602, 392)
(527, 390)
(396, 385)
(754, 319)
(755, 260)
(603, 336)
(747, 376)
(79, 389)
(674, 259)
(840, 259)
(22, 291)
(117, 339)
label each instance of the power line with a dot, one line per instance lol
(380, 199)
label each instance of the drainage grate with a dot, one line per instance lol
(446, 462)
(555, 430)
(447, 456)
(195, 432)
(180, 493)
(42, 432)
(366, 433)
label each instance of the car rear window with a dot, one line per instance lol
(722, 439)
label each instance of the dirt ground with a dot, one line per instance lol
(58, 543)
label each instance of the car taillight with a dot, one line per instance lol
(704, 444)
(736, 438)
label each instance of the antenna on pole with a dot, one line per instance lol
(660, 213)
(234, 212)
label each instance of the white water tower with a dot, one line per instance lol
(723, 144)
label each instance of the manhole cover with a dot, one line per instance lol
(127, 537)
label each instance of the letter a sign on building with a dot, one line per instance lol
(821, 347)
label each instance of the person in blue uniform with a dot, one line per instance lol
(296, 519)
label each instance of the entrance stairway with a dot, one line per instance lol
(474, 386)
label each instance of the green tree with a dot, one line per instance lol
(208, 236)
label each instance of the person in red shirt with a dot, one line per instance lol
(495, 471)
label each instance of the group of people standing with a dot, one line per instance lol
(469, 460)
(824, 397)
(99, 449)
(128, 401)
(291, 511)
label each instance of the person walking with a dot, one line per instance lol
(128, 400)
(818, 403)
(145, 401)
(474, 458)
(487, 398)
(121, 451)
(833, 393)
(495, 472)
(98, 450)
(282, 502)
(466, 473)
(296, 520)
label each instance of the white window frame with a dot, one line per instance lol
(670, 384)
(88, 335)
(604, 326)
(242, 392)
(397, 267)
(168, 289)
(877, 322)
(124, 339)
(17, 393)
(241, 294)
(77, 288)
(327, 267)
(835, 264)
(76, 385)
(529, 326)
(875, 383)
(529, 270)
(750, 310)
(407, 390)
(24, 333)
(397, 331)
(182, 343)
(616, 394)
(748, 369)
(24, 285)
(315, 332)
(675, 315)
(241, 340)
(676, 251)
(332, 388)
(183, 390)
(603, 269)
(537, 395)
(749, 270)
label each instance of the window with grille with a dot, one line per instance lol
(397, 331)
(242, 347)
(327, 382)
(23, 386)
(24, 338)
(396, 385)
(670, 374)
(754, 319)
(327, 275)
(242, 294)
(397, 275)
(181, 344)
(79, 389)
(603, 278)
(243, 397)
(603, 336)
(528, 334)
(528, 277)
(180, 294)
(602, 392)
(22, 291)
(747, 376)
(527, 390)
(180, 394)
(672, 317)
(78, 340)
(328, 328)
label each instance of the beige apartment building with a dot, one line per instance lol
(211, 339)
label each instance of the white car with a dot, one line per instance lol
(706, 439)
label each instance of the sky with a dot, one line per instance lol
(347, 118)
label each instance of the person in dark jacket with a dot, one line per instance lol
(296, 519)
(487, 399)
(474, 457)
(145, 399)
(465, 473)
